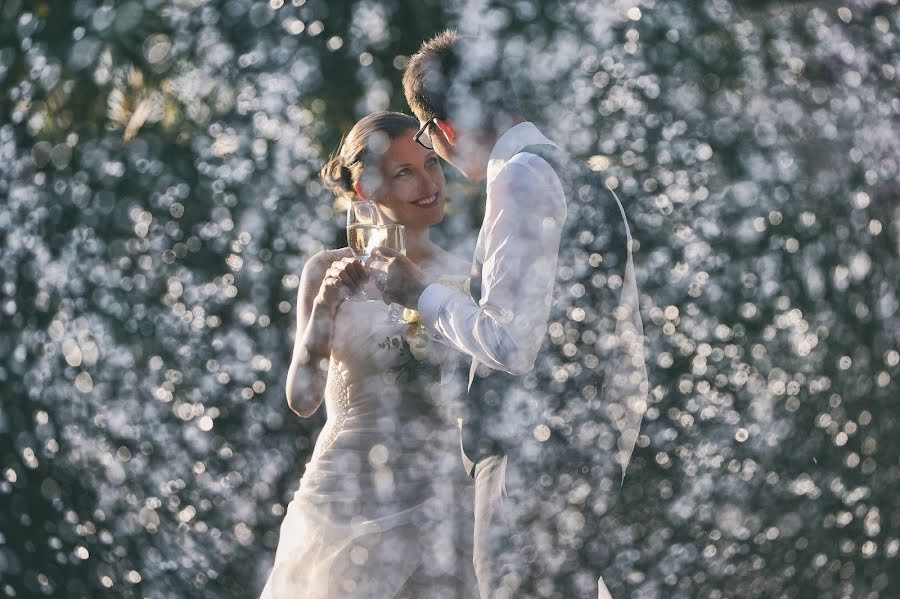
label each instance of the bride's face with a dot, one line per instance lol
(412, 190)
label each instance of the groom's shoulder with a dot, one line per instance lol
(528, 163)
(524, 173)
(546, 157)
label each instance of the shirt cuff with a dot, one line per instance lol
(431, 301)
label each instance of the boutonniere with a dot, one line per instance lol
(410, 316)
(416, 337)
(422, 358)
(414, 347)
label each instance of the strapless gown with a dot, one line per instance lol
(384, 507)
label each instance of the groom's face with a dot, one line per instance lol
(463, 154)
(436, 139)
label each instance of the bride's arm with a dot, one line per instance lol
(323, 286)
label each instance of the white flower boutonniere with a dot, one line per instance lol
(416, 337)
(418, 341)
(410, 316)
(415, 343)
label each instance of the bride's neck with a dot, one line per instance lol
(419, 248)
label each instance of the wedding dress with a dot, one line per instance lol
(384, 506)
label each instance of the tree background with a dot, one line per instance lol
(158, 198)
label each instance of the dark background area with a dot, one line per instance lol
(158, 199)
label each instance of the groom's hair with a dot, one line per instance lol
(453, 74)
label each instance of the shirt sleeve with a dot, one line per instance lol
(522, 228)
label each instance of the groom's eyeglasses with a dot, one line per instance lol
(422, 130)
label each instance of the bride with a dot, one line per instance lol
(381, 509)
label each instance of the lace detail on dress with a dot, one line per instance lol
(335, 388)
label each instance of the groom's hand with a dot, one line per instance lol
(402, 282)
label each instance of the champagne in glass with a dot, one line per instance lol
(363, 235)
(393, 236)
(363, 238)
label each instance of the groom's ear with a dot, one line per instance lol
(448, 130)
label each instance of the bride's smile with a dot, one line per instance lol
(427, 202)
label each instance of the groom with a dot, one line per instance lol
(535, 486)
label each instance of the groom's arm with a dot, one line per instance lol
(521, 242)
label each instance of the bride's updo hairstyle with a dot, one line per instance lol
(362, 148)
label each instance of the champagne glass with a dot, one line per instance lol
(363, 235)
(394, 237)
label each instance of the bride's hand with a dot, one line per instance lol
(343, 278)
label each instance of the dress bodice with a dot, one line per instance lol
(361, 355)
(360, 341)
(367, 350)
(378, 387)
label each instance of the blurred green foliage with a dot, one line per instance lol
(158, 199)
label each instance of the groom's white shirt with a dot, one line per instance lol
(518, 246)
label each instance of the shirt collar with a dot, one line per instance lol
(508, 145)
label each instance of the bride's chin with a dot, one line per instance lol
(433, 220)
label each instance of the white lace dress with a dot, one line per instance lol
(384, 507)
